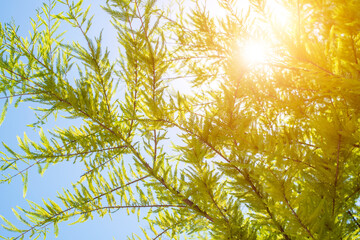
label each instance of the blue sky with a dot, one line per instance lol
(58, 176)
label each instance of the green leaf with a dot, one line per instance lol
(56, 229)
(10, 226)
(3, 112)
(25, 182)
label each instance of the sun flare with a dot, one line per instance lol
(255, 52)
(280, 15)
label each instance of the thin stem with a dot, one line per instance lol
(17, 95)
(296, 215)
(172, 226)
(218, 208)
(357, 190)
(336, 174)
(157, 236)
(354, 49)
(58, 156)
(134, 206)
(155, 148)
(353, 218)
(109, 160)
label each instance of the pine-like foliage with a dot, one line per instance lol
(253, 151)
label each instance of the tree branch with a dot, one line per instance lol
(71, 208)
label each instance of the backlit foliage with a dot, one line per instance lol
(265, 150)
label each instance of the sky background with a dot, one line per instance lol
(61, 175)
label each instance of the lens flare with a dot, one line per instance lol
(255, 52)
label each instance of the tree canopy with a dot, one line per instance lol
(257, 148)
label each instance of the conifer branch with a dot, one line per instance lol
(135, 77)
(71, 208)
(58, 156)
(98, 68)
(137, 155)
(41, 157)
(31, 54)
(147, 167)
(244, 173)
(267, 209)
(142, 161)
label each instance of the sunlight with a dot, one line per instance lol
(255, 52)
(219, 12)
(182, 86)
(280, 14)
